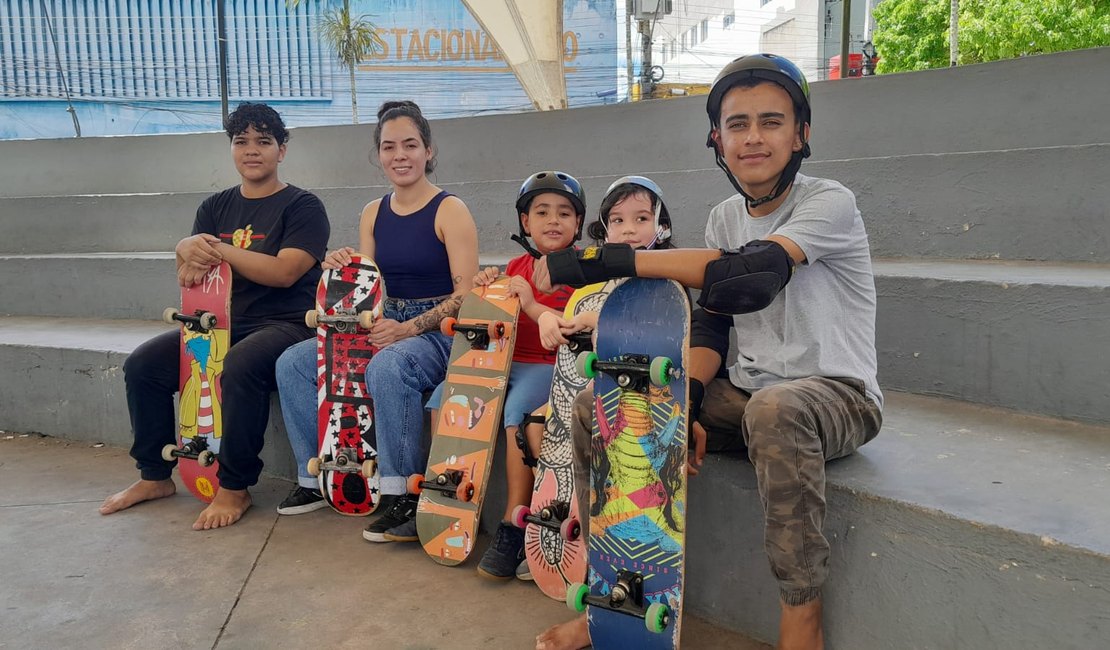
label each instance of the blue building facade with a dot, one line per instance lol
(151, 66)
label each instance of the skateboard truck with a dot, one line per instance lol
(345, 462)
(555, 515)
(196, 449)
(636, 372)
(478, 335)
(451, 482)
(581, 341)
(626, 597)
(200, 321)
(343, 320)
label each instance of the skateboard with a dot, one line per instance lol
(205, 319)
(348, 300)
(465, 432)
(553, 544)
(637, 535)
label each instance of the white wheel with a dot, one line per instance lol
(167, 452)
(314, 466)
(167, 315)
(310, 318)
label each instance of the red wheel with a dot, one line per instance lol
(465, 491)
(520, 514)
(496, 330)
(413, 485)
(447, 326)
(570, 529)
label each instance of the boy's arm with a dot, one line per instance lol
(281, 270)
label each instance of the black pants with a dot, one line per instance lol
(151, 376)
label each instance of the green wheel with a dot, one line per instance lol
(586, 364)
(657, 617)
(660, 371)
(576, 596)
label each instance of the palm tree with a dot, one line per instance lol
(353, 38)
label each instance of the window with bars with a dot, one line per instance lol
(140, 49)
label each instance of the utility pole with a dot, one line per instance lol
(628, 45)
(646, 84)
(221, 42)
(953, 28)
(846, 38)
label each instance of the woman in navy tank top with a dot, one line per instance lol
(425, 242)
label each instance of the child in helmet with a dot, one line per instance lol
(550, 207)
(789, 268)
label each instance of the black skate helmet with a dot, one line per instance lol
(552, 181)
(768, 67)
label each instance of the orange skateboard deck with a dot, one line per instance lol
(464, 435)
(205, 319)
(348, 300)
(553, 543)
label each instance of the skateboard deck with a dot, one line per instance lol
(638, 468)
(205, 339)
(553, 543)
(469, 420)
(348, 300)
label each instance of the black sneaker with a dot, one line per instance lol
(505, 554)
(302, 500)
(402, 510)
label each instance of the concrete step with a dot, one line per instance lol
(1011, 334)
(992, 521)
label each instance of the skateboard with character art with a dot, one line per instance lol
(637, 534)
(469, 420)
(205, 320)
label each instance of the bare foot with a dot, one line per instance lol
(800, 627)
(138, 492)
(226, 508)
(571, 635)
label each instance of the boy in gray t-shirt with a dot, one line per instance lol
(789, 270)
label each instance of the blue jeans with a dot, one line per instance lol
(397, 378)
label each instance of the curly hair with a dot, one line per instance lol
(404, 108)
(260, 116)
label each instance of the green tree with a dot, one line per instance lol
(353, 38)
(913, 34)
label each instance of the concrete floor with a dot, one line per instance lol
(142, 578)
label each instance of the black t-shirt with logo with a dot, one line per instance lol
(291, 218)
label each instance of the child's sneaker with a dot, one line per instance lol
(505, 553)
(403, 532)
(402, 510)
(302, 500)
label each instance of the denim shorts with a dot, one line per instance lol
(529, 388)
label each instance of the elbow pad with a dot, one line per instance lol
(746, 279)
(708, 330)
(591, 265)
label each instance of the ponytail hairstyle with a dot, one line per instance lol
(404, 108)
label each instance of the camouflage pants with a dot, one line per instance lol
(789, 430)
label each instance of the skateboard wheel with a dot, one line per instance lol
(168, 315)
(369, 468)
(520, 516)
(314, 466)
(570, 529)
(660, 371)
(366, 319)
(447, 326)
(586, 365)
(413, 485)
(465, 491)
(206, 458)
(167, 452)
(207, 321)
(657, 617)
(310, 318)
(496, 330)
(576, 596)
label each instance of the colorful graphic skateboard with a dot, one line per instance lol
(638, 468)
(553, 543)
(464, 435)
(348, 300)
(205, 319)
